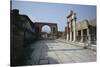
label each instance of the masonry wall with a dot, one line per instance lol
(21, 35)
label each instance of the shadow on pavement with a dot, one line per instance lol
(36, 54)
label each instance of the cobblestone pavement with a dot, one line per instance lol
(55, 52)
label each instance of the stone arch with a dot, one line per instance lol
(45, 27)
(53, 27)
(45, 32)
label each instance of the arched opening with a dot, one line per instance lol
(46, 32)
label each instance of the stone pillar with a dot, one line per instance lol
(70, 36)
(81, 35)
(67, 34)
(89, 37)
(70, 31)
(74, 27)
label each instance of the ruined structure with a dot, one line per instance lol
(21, 35)
(71, 26)
(38, 29)
(84, 31)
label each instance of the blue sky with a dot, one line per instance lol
(54, 12)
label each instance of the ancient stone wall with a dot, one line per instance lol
(22, 33)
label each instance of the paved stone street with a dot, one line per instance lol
(56, 52)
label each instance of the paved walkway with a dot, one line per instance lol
(55, 52)
(81, 44)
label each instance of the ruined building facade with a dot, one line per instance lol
(84, 31)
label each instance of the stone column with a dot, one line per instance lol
(70, 31)
(81, 35)
(89, 37)
(74, 27)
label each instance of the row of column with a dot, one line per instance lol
(71, 27)
(88, 37)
